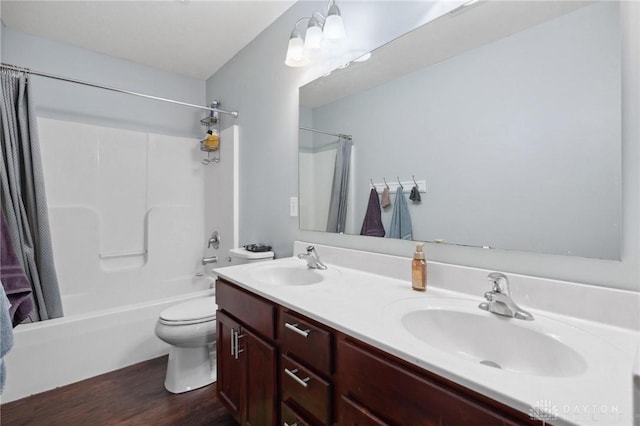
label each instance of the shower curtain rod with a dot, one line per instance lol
(340, 135)
(113, 89)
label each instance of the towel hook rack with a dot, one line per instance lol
(372, 184)
(385, 182)
(413, 177)
(400, 184)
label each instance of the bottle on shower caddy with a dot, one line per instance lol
(212, 140)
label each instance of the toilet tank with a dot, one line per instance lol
(242, 255)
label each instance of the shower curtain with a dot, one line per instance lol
(23, 198)
(340, 188)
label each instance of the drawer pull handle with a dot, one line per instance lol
(294, 328)
(287, 424)
(292, 374)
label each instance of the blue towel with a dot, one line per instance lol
(400, 226)
(6, 334)
(372, 223)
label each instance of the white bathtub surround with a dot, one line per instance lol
(127, 219)
(594, 329)
(126, 210)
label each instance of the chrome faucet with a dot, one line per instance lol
(499, 299)
(207, 260)
(313, 261)
(214, 241)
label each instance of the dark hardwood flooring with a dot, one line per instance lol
(134, 395)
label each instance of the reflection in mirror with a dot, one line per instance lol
(508, 114)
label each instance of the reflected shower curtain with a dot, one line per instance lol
(23, 198)
(340, 188)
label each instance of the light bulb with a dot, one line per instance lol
(313, 36)
(295, 52)
(334, 26)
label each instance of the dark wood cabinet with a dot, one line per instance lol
(230, 369)
(385, 392)
(260, 381)
(303, 372)
(352, 413)
(306, 367)
(246, 358)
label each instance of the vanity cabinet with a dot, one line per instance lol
(276, 366)
(246, 355)
(306, 366)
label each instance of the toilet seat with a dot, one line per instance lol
(191, 312)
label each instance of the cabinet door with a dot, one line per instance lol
(401, 397)
(231, 370)
(260, 379)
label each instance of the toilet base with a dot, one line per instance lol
(189, 369)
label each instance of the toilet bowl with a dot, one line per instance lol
(190, 329)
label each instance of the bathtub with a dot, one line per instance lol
(92, 338)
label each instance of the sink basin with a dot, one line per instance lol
(459, 328)
(290, 274)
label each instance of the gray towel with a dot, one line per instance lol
(415, 195)
(6, 334)
(372, 224)
(400, 226)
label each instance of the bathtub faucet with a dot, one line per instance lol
(207, 260)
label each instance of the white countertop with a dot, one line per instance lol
(366, 306)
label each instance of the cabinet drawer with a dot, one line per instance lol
(399, 396)
(303, 389)
(352, 413)
(252, 311)
(289, 417)
(306, 341)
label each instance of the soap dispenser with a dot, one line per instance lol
(419, 269)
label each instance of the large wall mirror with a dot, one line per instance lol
(506, 114)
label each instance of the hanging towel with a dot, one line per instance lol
(415, 195)
(372, 224)
(6, 334)
(386, 200)
(15, 282)
(400, 226)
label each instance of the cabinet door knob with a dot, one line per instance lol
(294, 328)
(292, 374)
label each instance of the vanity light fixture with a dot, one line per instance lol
(322, 34)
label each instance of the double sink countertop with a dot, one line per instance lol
(573, 364)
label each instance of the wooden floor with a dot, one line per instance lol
(134, 395)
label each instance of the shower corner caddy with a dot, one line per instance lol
(211, 122)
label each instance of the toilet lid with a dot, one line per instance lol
(201, 309)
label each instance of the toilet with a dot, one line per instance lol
(190, 328)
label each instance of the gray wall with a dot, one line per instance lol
(65, 101)
(265, 91)
(518, 140)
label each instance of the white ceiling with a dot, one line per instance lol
(188, 37)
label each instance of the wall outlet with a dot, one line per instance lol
(293, 206)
